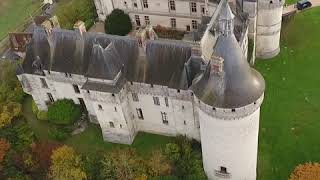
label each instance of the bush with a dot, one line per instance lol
(306, 171)
(168, 33)
(118, 23)
(58, 134)
(64, 112)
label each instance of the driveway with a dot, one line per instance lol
(290, 9)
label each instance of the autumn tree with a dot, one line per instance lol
(66, 165)
(158, 165)
(4, 147)
(307, 171)
(42, 151)
(9, 111)
(126, 164)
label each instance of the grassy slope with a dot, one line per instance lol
(91, 140)
(290, 117)
(14, 12)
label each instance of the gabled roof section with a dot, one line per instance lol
(105, 62)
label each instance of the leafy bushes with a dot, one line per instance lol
(69, 12)
(64, 112)
(118, 23)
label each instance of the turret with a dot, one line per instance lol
(228, 95)
(268, 28)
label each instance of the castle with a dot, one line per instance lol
(202, 86)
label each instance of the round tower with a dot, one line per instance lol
(268, 28)
(228, 96)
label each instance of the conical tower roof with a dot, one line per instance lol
(238, 84)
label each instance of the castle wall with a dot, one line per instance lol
(268, 28)
(230, 140)
(158, 11)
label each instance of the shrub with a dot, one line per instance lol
(59, 133)
(168, 33)
(64, 112)
(118, 23)
(306, 171)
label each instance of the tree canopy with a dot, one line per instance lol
(118, 23)
(64, 112)
(66, 164)
(306, 171)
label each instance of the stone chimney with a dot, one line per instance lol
(80, 26)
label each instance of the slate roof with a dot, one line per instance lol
(238, 85)
(102, 56)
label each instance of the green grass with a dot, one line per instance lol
(289, 2)
(290, 116)
(91, 141)
(13, 13)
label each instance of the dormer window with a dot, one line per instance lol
(216, 64)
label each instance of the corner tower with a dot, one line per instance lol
(268, 28)
(228, 96)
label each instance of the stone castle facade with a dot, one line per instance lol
(264, 17)
(203, 88)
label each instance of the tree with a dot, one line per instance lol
(64, 112)
(66, 165)
(307, 171)
(158, 164)
(118, 23)
(8, 112)
(123, 164)
(4, 147)
(42, 151)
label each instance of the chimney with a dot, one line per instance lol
(80, 26)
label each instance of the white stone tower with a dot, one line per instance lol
(228, 96)
(268, 28)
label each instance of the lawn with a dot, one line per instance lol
(13, 13)
(91, 141)
(290, 116)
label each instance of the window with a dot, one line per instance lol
(135, 3)
(151, 85)
(145, 4)
(50, 97)
(164, 118)
(166, 101)
(178, 90)
(135, 97)
(147, 20)
(111, 124)
(233, 110)
(70, 75)
(172, 5)
(44, 83)
(49, 72)
(203, 10)
(112, 95)
(76, 88)
(115, 109)
(137, 18)
(223, 170)
(120, 125)
(156, 101)
(182, 107)
(194, 24)
(88, 91)
(184, 122)
(193, 7)
(173, 23)
(188, 28)
(66, 74)
(100, 107)
(139, 112)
